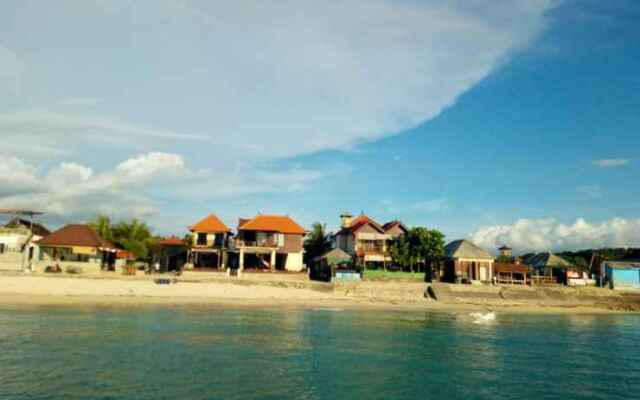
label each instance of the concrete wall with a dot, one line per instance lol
(294, 262)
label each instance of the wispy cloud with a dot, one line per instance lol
(432, 206)
(611, 162)
(591, 191)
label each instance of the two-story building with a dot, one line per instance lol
(210, 245)
(271, 241)
(366, 240)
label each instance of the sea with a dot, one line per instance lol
(192, 352)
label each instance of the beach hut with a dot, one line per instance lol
(466, 262)
(622, 275)
(335, 263)
(551, 268)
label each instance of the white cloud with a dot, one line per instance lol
(550, 235)
(611, 163)
(432, 206)
(282, 79)
(16, 176)
(76, 191)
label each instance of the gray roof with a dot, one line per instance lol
(333, 256)
(466, 249)
(544, 260)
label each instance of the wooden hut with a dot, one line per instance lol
(549, 268)
(465, 262)
(510, 273)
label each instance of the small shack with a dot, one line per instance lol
(622, 275)
(336, 264)
(466, 262)
(511, 273)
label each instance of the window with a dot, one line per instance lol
(202, 239)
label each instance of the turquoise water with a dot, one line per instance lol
(209, 353)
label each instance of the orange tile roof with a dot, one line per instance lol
(273, 223)
(210, 224)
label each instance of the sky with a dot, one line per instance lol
(505, 122)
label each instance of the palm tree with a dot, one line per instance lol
(134, 236)
(317, 242)
(102, 225)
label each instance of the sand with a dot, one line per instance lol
(219, 290)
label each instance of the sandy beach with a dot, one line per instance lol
(256, 291)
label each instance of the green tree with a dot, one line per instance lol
(400, 251)
(426, 245)
(102, 225)
(134, 236)
(317, 242)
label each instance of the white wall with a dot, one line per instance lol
(294, 262)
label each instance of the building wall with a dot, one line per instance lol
(294, 262)
(292, 243)
(345, 243)
(13, 240)
(211, 238)
(625, 279)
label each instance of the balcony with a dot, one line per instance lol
(268, 243)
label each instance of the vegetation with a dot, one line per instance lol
(505, 259)
(317, 242)
(132, 235)
(381, 275)
(418, 249)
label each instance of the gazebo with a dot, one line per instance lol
(550, 268)
(324, 267)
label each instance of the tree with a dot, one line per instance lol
(427, 245)
(134, 236)
(400, 251)
(102, 225)
(419, 246)
(317, 242)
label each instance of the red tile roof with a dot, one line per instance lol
(76, 235)
(211, 224)
(358, 222)
(273, 223)
(172, 241)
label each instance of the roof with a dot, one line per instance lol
(466, 249)
(172, 241)
(273, 223)
(544, 260)
(76, 235)
(505, 247)
(506, 267)
(210, 224)
(358, 222)
(336, 255)
(622, 264)
(124, 254)
(393, 223)
(37, 229)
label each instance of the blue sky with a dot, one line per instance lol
(513, 123)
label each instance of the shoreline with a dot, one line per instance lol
(20, 290)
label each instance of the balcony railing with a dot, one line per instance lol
(256, 243)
